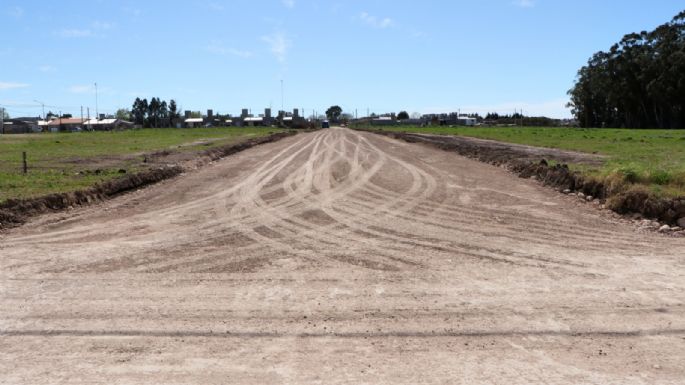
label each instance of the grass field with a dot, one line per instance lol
(60, 162)
(655, 158)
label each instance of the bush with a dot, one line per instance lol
(660, 177)
(629, 174)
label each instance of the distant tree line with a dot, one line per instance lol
(639, 83)
(520, 119)
(155, 113)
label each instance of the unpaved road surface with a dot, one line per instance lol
(340, 257)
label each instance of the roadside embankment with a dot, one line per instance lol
(549, 166)
(15, 212)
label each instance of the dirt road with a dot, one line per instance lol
(340, 257)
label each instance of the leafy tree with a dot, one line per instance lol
(402, 115)
(67, 116)
(334, 112)
(173, 110)
(50, 115)
(139, 111)
(638, 83)
(123, 114)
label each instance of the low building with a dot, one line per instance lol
(66, 124)
(193, 122)
(254, 121)
(383, 121)
(15, 126)
(466, 121)
(107, 124)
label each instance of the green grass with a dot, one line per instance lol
(655, 158)
(57, 160)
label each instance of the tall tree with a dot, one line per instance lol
(139, 111)
(402, 115)
(153, 112)
(123, 114)
(173, 110)
(334, 112)
(638, 83)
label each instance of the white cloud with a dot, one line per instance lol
(376, 22)
(81, 89)
(74, 33)
(215, 6)
(288, 3)
(524, 3)
(16, 12)
(47, 68)
(217, 48)
(135, 12)
(102, 25)
(279, 45)
(11, 86)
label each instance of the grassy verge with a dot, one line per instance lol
(651, 158)
(62, 162)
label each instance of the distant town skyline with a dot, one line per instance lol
(366, 56)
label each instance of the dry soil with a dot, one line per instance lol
(340, 257)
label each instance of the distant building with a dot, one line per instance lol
(66, 124)
(384, 121)
(15, 126)
(107, 124)
(466, 121)
(193, 122)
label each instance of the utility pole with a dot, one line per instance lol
(43, 105)
(89, 126)
(282, 97)
(2, 119)
(97, 112)
(81, 116)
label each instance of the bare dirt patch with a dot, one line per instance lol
(14, 212)
(532, 162)
(430, 268)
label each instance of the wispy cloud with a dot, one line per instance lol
(376, 22)
(47, 68)
(16, 12)
(96, 29)
(12, 86)
(135, 12)
(102, 25)
(74, 33)
(217, 48)
(81, 89)
(214, 6)
(279, 44)
(288, 3)
(524, 3)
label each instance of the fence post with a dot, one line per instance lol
(23, 156)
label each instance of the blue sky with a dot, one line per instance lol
(380, 55)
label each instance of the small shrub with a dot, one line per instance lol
(660, 177)
(629, 174)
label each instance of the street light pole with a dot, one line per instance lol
(282, 97)
(97, 114)
(43, 105)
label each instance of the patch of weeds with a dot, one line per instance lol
(660, 177)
